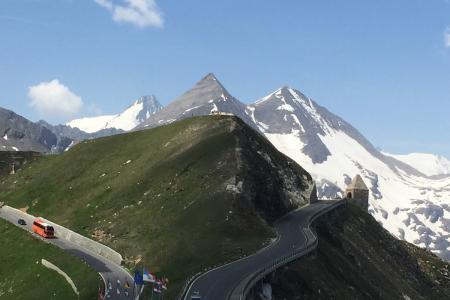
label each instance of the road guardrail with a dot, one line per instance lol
(242, 290)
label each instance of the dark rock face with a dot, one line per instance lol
(272, 182)
(18, 133)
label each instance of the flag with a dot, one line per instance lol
(149, 277)
(138, 279)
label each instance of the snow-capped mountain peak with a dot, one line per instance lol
(411, 205)
(141, 110)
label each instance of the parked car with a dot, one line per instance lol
(196, 296)
(21, 222)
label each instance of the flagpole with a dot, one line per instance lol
(143, 284)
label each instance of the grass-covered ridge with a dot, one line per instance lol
(358, 259)
(178, 198)
(22, 276)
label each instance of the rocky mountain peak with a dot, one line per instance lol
(207, 96)
(208, 88)
(150, 106)
(212, 79)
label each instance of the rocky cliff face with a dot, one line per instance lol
(20, 134)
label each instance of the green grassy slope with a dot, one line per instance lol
(178, 198)
(22, 276)
(358, 259)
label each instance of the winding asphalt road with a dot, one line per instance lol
(222, 283)
(109, 271)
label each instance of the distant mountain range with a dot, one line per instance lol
(409, 195)
(20, 134)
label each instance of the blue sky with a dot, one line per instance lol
(382, 65)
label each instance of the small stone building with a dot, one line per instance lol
(358, 193)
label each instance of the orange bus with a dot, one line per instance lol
(43, 229)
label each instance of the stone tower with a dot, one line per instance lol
(358, 193)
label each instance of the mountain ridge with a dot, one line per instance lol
(410, 204)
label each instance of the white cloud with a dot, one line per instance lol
(447, 37)
(142, 13)
(53, 99)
